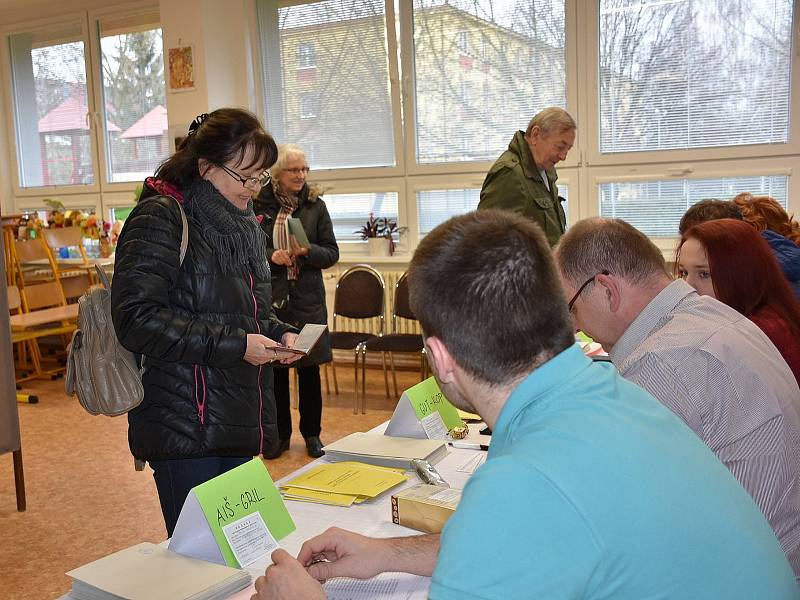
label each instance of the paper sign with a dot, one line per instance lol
(226, 500)
(416, 404)
(426, 397)
(434, 426)
(249, 539)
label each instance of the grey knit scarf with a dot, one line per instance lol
(235, 234)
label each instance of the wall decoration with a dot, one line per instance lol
(181, 69)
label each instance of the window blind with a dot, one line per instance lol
(693, 73)
(482, 70)
(655, 207)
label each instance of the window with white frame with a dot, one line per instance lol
(306, 55)
(308, 105)
(694, 73)
(57, 85)
(349, 212)
(683, 91)
(348, 92)
(656, 206)
(50, 97)
(675, 77)
(134, 102)
(468, 96)
(453, 125)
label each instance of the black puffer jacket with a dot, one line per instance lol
(190, 324)
(306, 295)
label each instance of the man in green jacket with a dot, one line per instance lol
(523, 179)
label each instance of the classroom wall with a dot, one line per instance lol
(221, 40)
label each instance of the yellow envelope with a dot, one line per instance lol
(350, 478)
(303, 495)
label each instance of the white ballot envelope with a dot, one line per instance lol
(308, 338)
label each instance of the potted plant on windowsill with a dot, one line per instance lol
(380, 235)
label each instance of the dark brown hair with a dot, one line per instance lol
(485, 284)
(219, 137)
(708, 210)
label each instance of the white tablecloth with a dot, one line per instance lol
(372, 518)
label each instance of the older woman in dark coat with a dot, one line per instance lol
(298, 289)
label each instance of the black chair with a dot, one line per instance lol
(359, 295)
(409, 343)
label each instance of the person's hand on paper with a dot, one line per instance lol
(340, 553)
(297, 249)
(286, 579)
(282, 257)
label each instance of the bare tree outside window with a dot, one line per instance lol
(693, 73)
(343, 82)
(455, 125)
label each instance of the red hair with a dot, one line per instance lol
(744, 271)
(763, 212)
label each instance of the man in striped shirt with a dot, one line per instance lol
(709, 364)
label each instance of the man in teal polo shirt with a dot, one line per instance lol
(591, 489)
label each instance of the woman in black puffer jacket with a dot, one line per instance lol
(298, 289)
(205, 328)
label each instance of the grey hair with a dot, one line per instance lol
(286, 152)
(552, 118)
(596, 244)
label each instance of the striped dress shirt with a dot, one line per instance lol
(719, 372)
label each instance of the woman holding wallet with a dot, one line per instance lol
(298, 291)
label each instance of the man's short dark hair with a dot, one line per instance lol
(708, 210)
(486, 285)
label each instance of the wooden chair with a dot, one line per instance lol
(408, 343)
(39, 285)
(71, 237)
(359, 295)
(42, 320)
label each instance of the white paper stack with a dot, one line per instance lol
(385, 450)
(150, 572)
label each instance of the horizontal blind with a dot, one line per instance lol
(51, 107)
(326, 77)
(656, 207)
(693, 73)
(481, 71)
(436, 206)
(134, 97)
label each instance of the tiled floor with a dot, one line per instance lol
(85, 500)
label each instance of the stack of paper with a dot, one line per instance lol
(342, 483)
(385, 450)
(150, 572)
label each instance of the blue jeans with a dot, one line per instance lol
(176, 477)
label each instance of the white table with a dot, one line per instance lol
(373, 518)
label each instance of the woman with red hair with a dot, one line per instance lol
(728, 260)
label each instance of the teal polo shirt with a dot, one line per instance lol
(593, 489)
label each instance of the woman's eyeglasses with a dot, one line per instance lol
(254, 184)
(583, 287)
(303, 170)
